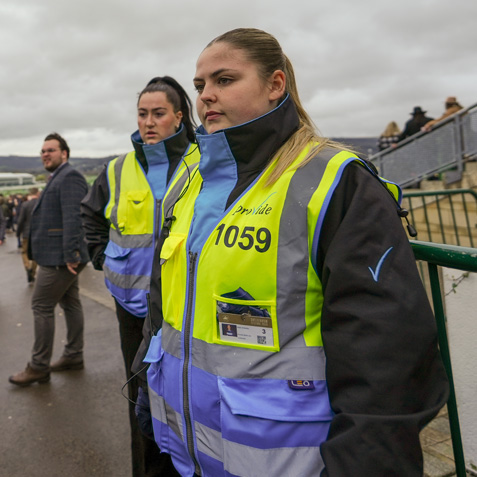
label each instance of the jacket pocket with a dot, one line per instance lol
(155, 381)
(55, 242)
(269, 414)
(55, 232)
(245, 322)
(116, 270)
(171, 245)
(137, 211)
(174, 270)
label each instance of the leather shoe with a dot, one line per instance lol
(65, 363)
(29, 376)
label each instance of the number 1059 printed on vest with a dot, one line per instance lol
(245, 238)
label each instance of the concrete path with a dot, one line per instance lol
(76, 425)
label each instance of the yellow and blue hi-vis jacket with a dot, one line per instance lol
(133, 212)
(238, 380)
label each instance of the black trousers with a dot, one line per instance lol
(147, 461)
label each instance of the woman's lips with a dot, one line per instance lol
(211, 115)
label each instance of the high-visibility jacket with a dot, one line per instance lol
(237, 377)
(133, 212)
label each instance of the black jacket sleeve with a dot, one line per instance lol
(95, 224)
(384, 373)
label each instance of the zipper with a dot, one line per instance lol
(185, 367)
(157, 218)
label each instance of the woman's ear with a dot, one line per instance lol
(277, 85)
(178, 119)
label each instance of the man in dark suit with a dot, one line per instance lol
(56, 244)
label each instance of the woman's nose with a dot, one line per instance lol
(208, 93)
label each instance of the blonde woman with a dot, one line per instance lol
(297, 338)
(390, 136)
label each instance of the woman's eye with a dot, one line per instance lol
(224, 80)
(199, 88)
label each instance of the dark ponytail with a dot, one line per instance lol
(177, 96)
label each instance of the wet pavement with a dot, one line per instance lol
(77, 424)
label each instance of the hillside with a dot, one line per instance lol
(92, 166)
(364, 145)
(33, 165)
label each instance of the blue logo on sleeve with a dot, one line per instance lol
(375, 274)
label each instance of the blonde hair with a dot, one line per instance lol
(392, 129)
(263, 49)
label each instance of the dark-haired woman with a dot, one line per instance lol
(120, 216)
(297, 339)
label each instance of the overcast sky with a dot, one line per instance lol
(76, 67)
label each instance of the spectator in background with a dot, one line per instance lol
(18, 200)
(23, 231)
(414, 125)
(8, 212)
(390, 136)
(56, 243)
(3, 218)
(3, 225)
(452, 107)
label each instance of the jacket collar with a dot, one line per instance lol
(173, 148)
(254, 143)
(231, 159)
(57, 170)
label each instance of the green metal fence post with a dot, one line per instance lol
(444, 349)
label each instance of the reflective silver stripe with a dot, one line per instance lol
(209, 441)
(130, 241)
(171, 340)
(161, 411)
(293, 262)
(173, 194)
(118, 165)
(158, 410)
(240, 459)
(174, 419)
(219, 360)
(138, 282)
(283, 461)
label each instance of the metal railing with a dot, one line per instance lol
(460, 258)
(447, 146)
(444, 216)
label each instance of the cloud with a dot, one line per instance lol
(77, 67)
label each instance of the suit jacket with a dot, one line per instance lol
(56, 233)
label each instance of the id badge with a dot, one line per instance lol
(246, 329)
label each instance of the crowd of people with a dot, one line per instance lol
(419, 122)
(10, 207)
(15, 213)
(267, 325)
